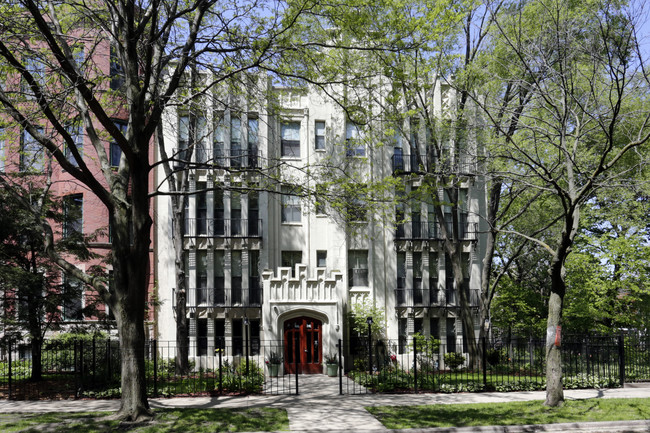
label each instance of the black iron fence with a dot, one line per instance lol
(423, 364)
(91, 367)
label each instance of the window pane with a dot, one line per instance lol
(320, 134)
(73, 212)
(32, 157)
(290, 139)
(76, 133)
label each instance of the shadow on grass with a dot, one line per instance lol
(165, 421)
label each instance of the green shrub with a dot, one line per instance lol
(453, 360)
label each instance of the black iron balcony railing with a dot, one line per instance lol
(416, 297)
(221, 297)
(231, 158)
(430, 297)
(223, 228)
(431, 231)
(428, 163)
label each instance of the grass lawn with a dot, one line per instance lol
(516, 413)
(166, 421)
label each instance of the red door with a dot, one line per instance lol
(302, 341)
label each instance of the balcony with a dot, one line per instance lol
(431, 231)
(453, 298)
(219, 158)
(463, 164)
(416, 297)
(223, 228)
(220, 297)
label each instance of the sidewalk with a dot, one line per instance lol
(320, 408)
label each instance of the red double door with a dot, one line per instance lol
(303, 342)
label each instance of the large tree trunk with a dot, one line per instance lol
(134, 405)
(182, 335)
(131, 270)
(466, 313)
(554, 391)
(37, 366)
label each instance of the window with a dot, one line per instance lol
(186, 139)
(354, 140)
(220, 333)
(290, 259)
(183, 138)
(79, 57)
(236, 277)
(321, 259)
(416, 221)
(433, 278)
(115, 149)
(72, 302)
(434, 327)
(254, 227)
(290, 139)
(219, 212)
(358, 268)
(116, 71)
(237, 337)
(76, 133)
(219, 277)
(235, 142)
(235, 213)
(356, 209)
(219, 140)
(36, 68)
(319, 135)
(418, 325)
(449, 281)
(32, 155)
(72, 215)
(291, 212)
(432, 227)
(402, 329)
(201, 275)
(201, 209)
(201, 337)
(451, 335)
(253, 139)
(400, 293)
(319, 199)
(201, 148)
(418, 295)
(255, 293)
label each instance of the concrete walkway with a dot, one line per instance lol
(320, 408)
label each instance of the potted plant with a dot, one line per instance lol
(273, 362)
(331, 364)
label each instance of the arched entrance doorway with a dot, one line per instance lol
(303, 341)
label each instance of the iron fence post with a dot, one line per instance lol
(10, 381)
(155, 367)
(415, 364)
(340, 346)
(621, 359)
(81, 366)
(94, 362)
(220, 369)
(484, 362)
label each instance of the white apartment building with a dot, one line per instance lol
(267, 260)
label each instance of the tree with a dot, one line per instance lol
(149, 46)
(31, 288)
(587, 113)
